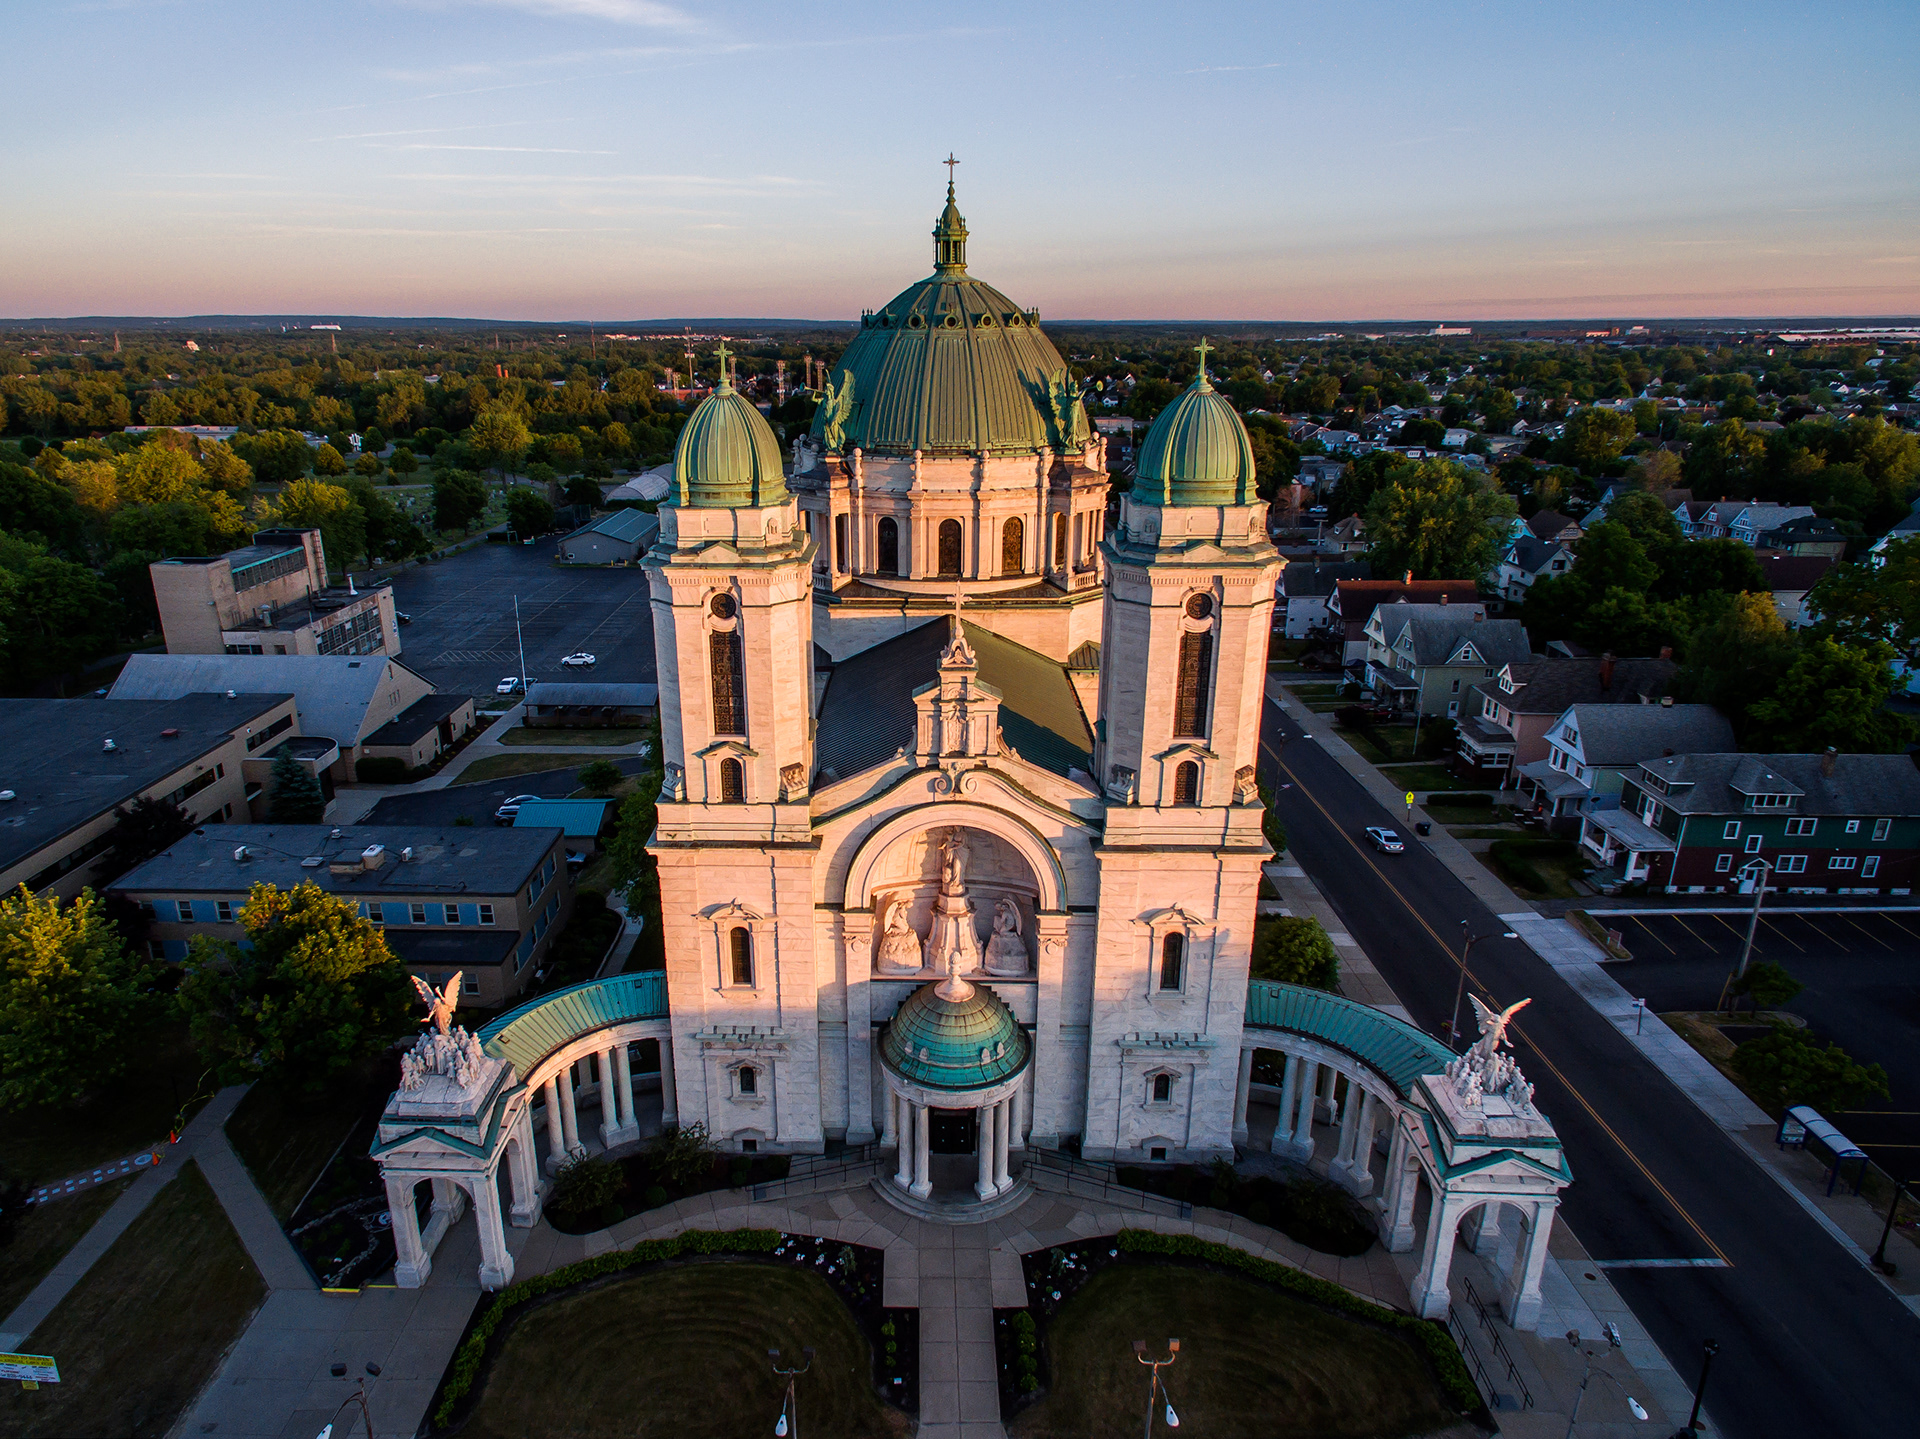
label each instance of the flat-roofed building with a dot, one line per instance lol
(270, 598)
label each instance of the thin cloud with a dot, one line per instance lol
(647, 13)
(1224, 69)
(497, 149)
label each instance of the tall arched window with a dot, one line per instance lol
(1196, 672)
(1173, 958)
(889, 546)
(1060, 541)
(1186, 782)
(1013, 547)
(949, 549)
(733, 782)
(725, 661)
(1163, 1089)
(740, 953)
(749, 1080)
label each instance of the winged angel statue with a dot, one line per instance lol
(836, 412)
(447, 1048)
(1483, 1069)
(1067, 419)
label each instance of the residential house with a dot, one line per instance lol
(1790, 577)
(1706, 519)
(69, 765)
(1810, 535)
(1320, 473)
(483, 902)
(1354, 601)
(1552, 526)
(1527, 560)
(1306, 589)
(1456, 438)
(340, 700)
(1504, 723)
(618, 538)
(1907, 529)
(1591, 748)
(270, 598)
(1824, 824)
(1343, 537)
(1751, 521)
(1421, 659)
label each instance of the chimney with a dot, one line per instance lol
(1666, 702)
(1407, 578)
(1666, 652)
(1828, 761)
(1606, 671)
(1443, 597)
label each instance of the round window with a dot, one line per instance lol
(1199, 607)
(951, 321)
(722, 607)
(985, 322)
(914, 322)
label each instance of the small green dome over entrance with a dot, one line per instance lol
(728, 456)
(955, 1036)
(1197, 452)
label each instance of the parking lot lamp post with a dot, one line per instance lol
(1691, 1430)
(1467, 942)
(520, 640)
(1154, 1389)
(1880, 1260)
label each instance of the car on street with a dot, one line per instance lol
(506, 812)
(579, 660)
(1384, 840)
(511, 685)
(403, 617)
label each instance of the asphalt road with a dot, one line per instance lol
(462, 633)
(1810, 1343)
(1862, 978)
(477, 802)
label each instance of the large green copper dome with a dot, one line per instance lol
(954, 1035)
(727, 457)
(1197, 452)
(951, 366)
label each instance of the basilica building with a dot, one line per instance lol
(959, 841)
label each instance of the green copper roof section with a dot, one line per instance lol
(527, 1035)
(728, 456)
(1197, 452)
(954, 1035)
(950, 366)
(1392, 1048)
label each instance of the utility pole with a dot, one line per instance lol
(522, 641)
(1757, 870)
(1880, 1260)
(1708, 1349)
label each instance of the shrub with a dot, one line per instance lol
(1787, 1068)
(382, 769)
(682, 1155)
(1766, 985)
(585, 1185)
(1295, 950)
(655, 1196)
(602, 776)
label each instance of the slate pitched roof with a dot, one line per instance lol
(334, 692)
(1440, 632)
(867, 713)
(1298, 580)
(1549, 686)
(1861, 784)
(1619, 735)
(1530, 555)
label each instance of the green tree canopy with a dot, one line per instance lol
(1438, 520)
(499, 438)
(144, 828)
(528, 513)
(1787, 1068)
(1828, 694)
(602, 776)
(316, 990)
(296, 795)
(1867, 601)
(459, 499)
(70, 993)
(1595, 437)
(327, 461)
(1296, 950)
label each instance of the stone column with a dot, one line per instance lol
(522, 1173)
(1289, 1102)
(1242, 1088)
(1021, 1104)
(1429, 1290)
(450, 1201)
(922, 1166)
(1303, 1117)
(569, 1120)
(1002, 1179)
(1520, 1294)
(496, 1265)
(556, 1139)
(903, 1169)
(890, 1120)
(985, 1142)
(1477, 1234)
(623, 1087)
(412, 1262)
(669, 1108)
(1353, 1168)
(1329, 1089)
(1403, 1187)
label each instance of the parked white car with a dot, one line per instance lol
(511, 685)
(579, 660)
(507, 811)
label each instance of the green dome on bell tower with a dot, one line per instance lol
(728, 456)
(1197, 452)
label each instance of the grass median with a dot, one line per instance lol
(605, 738)
(46, 1233)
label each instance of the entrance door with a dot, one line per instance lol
(951, 1131)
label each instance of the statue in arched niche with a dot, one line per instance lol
(900, 948)
(1007, 949)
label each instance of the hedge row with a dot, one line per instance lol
(1433, 1338)
(467, 1360)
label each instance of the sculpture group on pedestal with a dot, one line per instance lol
(952, 943)
(1484, 1070)
(447, 1049)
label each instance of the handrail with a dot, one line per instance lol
(837, 1171)
(1499, 1345)
(1483, 1381)
(1061, 1173)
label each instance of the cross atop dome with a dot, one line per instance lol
(949, 162)
(723, 354)
(1201, 381)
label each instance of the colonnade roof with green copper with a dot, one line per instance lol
(1392, 1048)
(527, 1035)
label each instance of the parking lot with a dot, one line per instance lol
(1862, 976)
(462, 634)
(477, 802)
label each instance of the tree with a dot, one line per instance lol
(529, 514)
(314, 990)
(459, 499)
(142, 829)
(1657, 471)
(403, 461)
(682, 1155)
(40, 507)
(367, 465)
(602, 776)
(69, 993)
(1735, 660)
(1866, 602)
(327, 461)
(1765, 985)
(1296, 950)
(330, 509)
(1438, 520)
(1828, 694)
(582, 491)
(1594, 438)
(297, 797)
(499, 438)
(1647, 519)
(586, 1185)
(224, 469)
(54, 615)
(1724, 459)
(277, 456)
(389, 533)
(1711, 566)
(1786, 1068)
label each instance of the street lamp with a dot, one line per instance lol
(1155, 1389)
(789, 1402)
(1880, 1260)
(1467, 942)
(1613, 1342)
(359, 1396)
(1756, 872)
(1691, 1430)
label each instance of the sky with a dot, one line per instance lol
(624, 159)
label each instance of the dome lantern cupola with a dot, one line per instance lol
(727, 456)
(1197, 452)
(950, 233)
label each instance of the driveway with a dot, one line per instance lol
(477, 802)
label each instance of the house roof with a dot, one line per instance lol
(1619, 735)
(1356, 600)
(417, 718)
(628, 526)
(1530, 555)
(1795, 572)
(1299, 580)
(1551, 524)
(589, 695)
(1634, 833)
(1861, 784)
(333, 693)
(1548, 685)
(1767, 517)
(867, 713)
(53, 756)
(452, 861)
(1444, 634)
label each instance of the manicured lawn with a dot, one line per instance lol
(1253, 1363)
(606, 738)
(46, 1233)
(139, 1336)
(285, 1138)
(681, 1353)
(1390, 744)
(1424, 777)
(128, 1112)
(1538, 868)
(500, 766)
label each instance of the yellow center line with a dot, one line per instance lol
(1454, 959)
(1868, 933)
